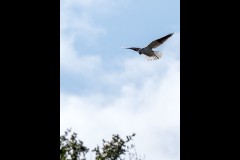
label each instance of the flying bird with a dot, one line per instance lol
(147, 51)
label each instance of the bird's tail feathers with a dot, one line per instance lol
(152, 58)
(158, 54)
(155, 57)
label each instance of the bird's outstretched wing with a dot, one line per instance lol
(134, 48)
(159, 41)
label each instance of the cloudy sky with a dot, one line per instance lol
(108, 90)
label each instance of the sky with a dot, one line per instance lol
(106, 89)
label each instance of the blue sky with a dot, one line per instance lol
(106, 89)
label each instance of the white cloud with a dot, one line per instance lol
(72, 62)
(79, 24)
(101, 6)
(151, 110)
(78, 16)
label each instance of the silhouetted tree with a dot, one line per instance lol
(112, 150)
(115, 149)
(71, 148)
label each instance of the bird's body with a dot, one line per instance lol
(147, 51)
(152, 55)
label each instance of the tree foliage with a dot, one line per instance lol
(73, 149)
(112, 150)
